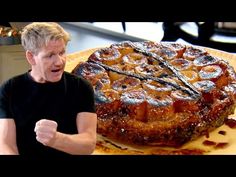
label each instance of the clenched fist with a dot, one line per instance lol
(45, 131)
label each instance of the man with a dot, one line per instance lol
(47, 111)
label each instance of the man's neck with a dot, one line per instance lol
(36, 78)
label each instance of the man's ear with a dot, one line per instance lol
(30, 57)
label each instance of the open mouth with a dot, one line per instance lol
(56, 70)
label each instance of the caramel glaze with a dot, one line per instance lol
(216, 145)
(231, 123)
(112, 148)
(221, 132)
(160, 80)
(170, 67)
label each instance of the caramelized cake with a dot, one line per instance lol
(165, 93)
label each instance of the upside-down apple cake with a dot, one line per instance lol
(165, 93)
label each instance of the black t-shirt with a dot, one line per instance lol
(27, 101)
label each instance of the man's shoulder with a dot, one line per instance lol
(15, 83)
(75, 78)
(18, 79)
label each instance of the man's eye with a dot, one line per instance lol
(49, 55)
(62, 53)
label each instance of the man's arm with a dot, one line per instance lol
(82, 143)
(8, 137)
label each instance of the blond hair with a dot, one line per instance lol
(37, 35)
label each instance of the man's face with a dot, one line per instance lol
(50, 61)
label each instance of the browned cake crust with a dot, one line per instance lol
(159, 93)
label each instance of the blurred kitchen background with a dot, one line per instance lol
(219, 35)
(85, 35)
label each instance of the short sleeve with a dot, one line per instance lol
(4, 100)
(86, 95)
